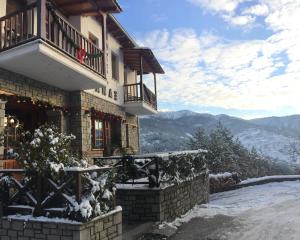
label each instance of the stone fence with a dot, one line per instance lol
(106, 227)
(143, 204)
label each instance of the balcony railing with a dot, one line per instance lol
(41, 21)
(139, 93)
(43, 195)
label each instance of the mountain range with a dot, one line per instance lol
(170, 131)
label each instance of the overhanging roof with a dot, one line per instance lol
(150, 63)
(119, 33)
(87, 7)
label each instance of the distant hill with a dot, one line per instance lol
(168, 131)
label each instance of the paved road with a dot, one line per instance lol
(268, 212)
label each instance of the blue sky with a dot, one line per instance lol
(236, 57)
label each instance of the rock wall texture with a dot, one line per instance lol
(162, 204)
(108, 227)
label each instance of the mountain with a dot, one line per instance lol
(169, 131)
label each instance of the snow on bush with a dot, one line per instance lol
(46, 149)
(183, 166)
(47, 152)
(222, 181)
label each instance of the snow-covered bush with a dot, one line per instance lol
(47, 154)
(222, 181)
(46, 149)
(98, 198)
(182, 166)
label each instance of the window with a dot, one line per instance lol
(98, 134)
(93, 39)
(110, 93)
(97, 90)
(104, 91)
(101, 134)
(114, 66)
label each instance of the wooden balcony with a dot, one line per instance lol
(139, 100)
(40, 43)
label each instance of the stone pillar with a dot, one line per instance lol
(80, 127)
(59, 119)
(2, 116)
(86, 131)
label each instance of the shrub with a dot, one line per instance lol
(47, 154)
(46, 149)
(183, 166)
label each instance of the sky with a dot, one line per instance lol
(235, 57)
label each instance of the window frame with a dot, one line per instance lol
(93, 39)
(114, 58)
(101, 147)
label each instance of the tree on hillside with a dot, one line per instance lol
(227, 154)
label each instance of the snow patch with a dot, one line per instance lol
(234, 203)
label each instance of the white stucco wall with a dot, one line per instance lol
(131, 76)
(2, 8)
(91, 25)
(87, 25)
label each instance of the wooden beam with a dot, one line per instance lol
(141, 77)
(155, 90)
(41, 19)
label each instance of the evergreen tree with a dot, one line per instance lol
(227, 154)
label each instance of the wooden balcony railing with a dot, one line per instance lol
(43, 195)
(139, 93)
(18, 28)
(41, 21)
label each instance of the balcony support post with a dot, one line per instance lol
(141, 78)
(41, 19)
(155, 89)
(104, 49)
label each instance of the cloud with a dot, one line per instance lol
(257, 10)
(227, 9)
(239, 20)
(208, 70)
(228, 6)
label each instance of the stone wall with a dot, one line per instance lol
(107, 227)
(27, 87)
(2, 115)
(76, 120)
(162, 204)
(81, 123)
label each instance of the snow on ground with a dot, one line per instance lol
(253, 180)
(275, 222)
(269, 143)
(237, 202)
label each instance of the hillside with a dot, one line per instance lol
(170, 131)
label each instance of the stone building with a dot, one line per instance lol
(73, 64)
